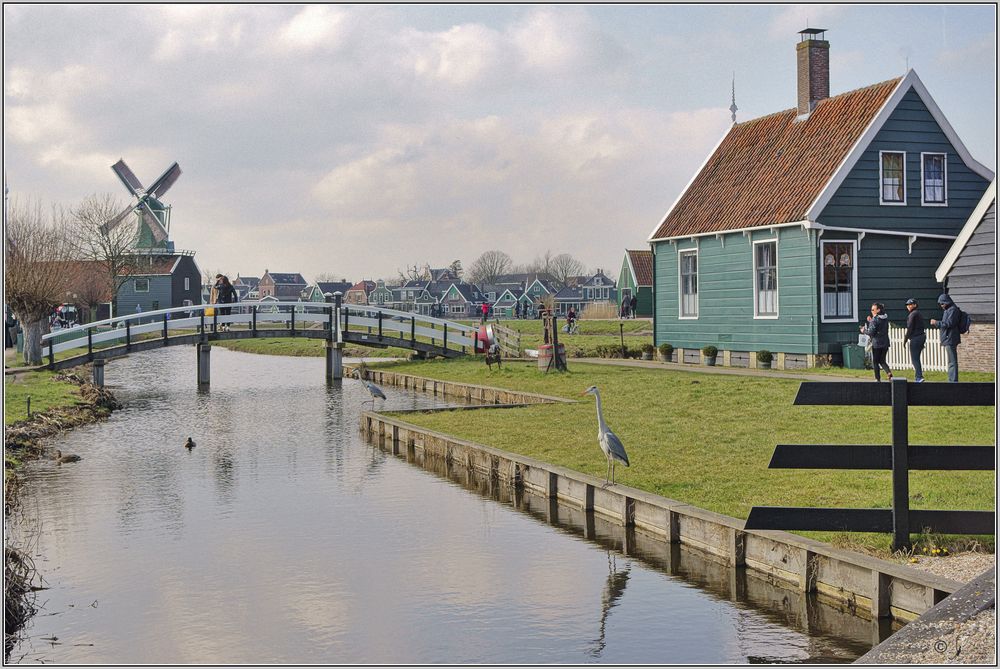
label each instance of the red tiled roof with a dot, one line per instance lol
(771, 169)
(155, 266)
(642, 264)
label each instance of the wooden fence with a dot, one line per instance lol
(933, 358)
(509, 341)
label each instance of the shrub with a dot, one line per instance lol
(764, 356)
(648, 349)
(709, 351)
(666, 350)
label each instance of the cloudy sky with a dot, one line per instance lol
(359, 140)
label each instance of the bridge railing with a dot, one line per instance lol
(208, 317)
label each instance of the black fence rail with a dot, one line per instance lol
(900, 458)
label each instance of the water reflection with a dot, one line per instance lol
(284, 537)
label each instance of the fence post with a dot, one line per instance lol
(215, 319)
(900, 467)
(413, 330)
(90, 345)
(380, 325)
(445, 340)
(165, 329)
(200, 327)
(253, 320)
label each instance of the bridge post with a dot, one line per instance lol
(334, 361)
(204, 363)
(99, 373)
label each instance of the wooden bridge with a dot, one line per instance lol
(200, 325)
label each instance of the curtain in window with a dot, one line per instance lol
(934, 178)
(767, 279)
(892, 177)
(689, 284)
(838, 278)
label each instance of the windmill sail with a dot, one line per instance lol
(127, 176)
(165, 181)
(151, 212)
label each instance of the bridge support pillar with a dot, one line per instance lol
(334, 361)
(99, 373)
(204, 364)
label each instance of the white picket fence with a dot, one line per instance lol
(933, 358)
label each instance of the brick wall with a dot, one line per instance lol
(977, 352)
(813, 75)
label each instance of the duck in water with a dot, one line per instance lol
(189, 444)
(69, 457)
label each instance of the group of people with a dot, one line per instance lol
(877, 329)
(628, 306)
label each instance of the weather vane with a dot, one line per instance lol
(733, 107)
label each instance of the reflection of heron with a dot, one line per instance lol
(614, 588)
(373, 390)
(610, 443)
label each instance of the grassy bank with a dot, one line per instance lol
(707, 439)
(306, 348)
(592, 334)
(46, 392)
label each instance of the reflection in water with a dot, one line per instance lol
(284, 537)
(613, 590)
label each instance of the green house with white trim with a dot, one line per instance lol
(636, 278)
(798, 221)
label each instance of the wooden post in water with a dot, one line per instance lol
(99, 373)
(204, 364)
(335, 346)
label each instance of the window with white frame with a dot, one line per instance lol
(892, 177)
(933, 176)
(765, 270)
(839, 280)
(187, 283)
(142, 285)
(689, 284)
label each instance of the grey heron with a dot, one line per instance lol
(373, 390)
(608, 440)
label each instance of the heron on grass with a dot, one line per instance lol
(610, 444)
(373, 390)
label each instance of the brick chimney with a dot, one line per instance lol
(813, 54)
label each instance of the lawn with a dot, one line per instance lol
(593, 333)
(45, 391)
(707, 439)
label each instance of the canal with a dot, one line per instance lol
(284, 537)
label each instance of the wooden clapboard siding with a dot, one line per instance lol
(888, 272)
(972, 279)
(910, 128)
(725, 287)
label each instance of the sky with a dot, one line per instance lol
(359, 140)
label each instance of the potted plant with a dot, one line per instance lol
(764, 358)
(709, 352)
(666, 352)
(647, 351)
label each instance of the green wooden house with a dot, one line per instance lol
(799, 220)
(636, 278)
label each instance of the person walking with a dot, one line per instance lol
(915, 338)
(633, 304)
(950, 335)
(877, 328)
(226, 295)
(485, 311)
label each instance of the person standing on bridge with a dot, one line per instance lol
(227, 295)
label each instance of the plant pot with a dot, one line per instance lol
(710, 361)
(663, 358)
(763, 365)
(647, 356)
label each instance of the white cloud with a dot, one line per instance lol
(560, 41)
(463, 55)
(794, 18)
(313, 27)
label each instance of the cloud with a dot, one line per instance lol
(559, 41)
(794, 18)
(463, 55)
(315, 26)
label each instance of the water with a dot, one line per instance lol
(283, 537)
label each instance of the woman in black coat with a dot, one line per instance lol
(877, 328)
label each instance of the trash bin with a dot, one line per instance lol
(854, 356)
(20, 342)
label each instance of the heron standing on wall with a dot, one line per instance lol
(373, 390)
(608, 440)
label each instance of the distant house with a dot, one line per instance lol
(636, 278)
(285, 287)
(358, 293)
(968, 273)
(799, 220)
(381, 295)
(161, 282)
(582, 291)
(317, 292)
(505, 306)
(461, 300)
(246, 287)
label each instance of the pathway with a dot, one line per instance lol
(705, 369)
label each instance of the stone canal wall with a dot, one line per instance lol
(867, 586)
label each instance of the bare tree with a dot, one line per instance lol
(91, 288)
(411, 273)
(37, 253)
(489, 266)
(456, 268)
(564, 266)
(112, 249)
(328, 277)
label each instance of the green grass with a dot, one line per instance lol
(46, 393)
(593, 333)
(902, 373)
(707, 439)
(305, 348)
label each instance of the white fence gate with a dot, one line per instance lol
(933, 358)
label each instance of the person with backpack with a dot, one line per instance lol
(951, 325)
(915, 337)
(877, 328)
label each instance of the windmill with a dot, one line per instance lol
(154, 216)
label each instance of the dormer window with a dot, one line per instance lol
(933, 177)
(892, 177)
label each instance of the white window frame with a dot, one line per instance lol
(753, 280)
(680, 284)
(924, 203)
(135, 285)
(881, 180)
(187, 283)
(854, 283)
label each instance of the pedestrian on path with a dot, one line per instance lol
(915, 338)
(950, 335)
(877, 328)
(632, 304)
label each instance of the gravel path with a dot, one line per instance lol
(962, 567)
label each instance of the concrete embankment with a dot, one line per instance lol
(867, 586)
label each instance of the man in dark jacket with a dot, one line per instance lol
(950, 336)
(916, 337)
